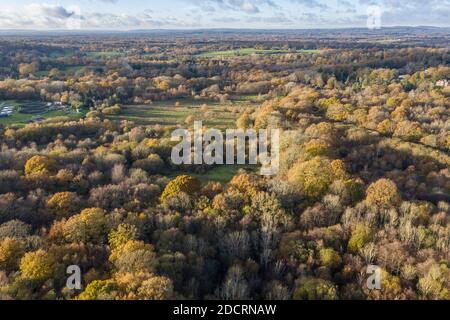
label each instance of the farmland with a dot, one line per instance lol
(251, 51)
(175, 112)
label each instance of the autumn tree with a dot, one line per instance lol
(88, 226)
(313, 176)
(134, 256)
(121, 235)
(39, 164)
(11, 250)
(383, 193)
(315, 289)
(36, 266)
(186, 184)
(63, 204)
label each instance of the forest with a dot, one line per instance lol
(86, 176)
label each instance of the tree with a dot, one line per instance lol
(88, 226)
(186, 184)
(14, 229)
(121, 235)
(313, 177)
(63, 204)
(235, 286)
(28, 68)
(435, 283)
(99, 290)
(39, 164)
(339, 169)
(329, 258)
(36, 266)
(383, 193)
(315, 289)
(361, 235)
(156, 288)
(114, 110)
(134, 256)
(317, 147)
(189, 120)
(243, 122)
(11, 250)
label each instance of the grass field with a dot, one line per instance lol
(220, 173)
(34, 109)
(167, 113)
(104, 54)
(224, 173)
(250, 51)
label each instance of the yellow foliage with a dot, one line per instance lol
(186, 184)
(39, 164)
(383, 192)
(63, 204)
(36, 266)
(313, 177)
(11, 250)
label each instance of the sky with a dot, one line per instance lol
(197, 14)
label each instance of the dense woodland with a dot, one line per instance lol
(364, 176)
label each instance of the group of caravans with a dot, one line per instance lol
(6, 111)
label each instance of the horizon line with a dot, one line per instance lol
(220, 29)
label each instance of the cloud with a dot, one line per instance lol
(412, 12)
(249, 7)
(314, 4)
(244, 6)
(229, 13)
(44, 16)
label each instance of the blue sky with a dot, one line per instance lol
(193, 14)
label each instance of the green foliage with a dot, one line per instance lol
(99, 290)
(315, 289)
(329, 258)
(361, 235)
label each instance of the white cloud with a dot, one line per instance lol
(219, 13)
(249, 7)
(45, 16)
